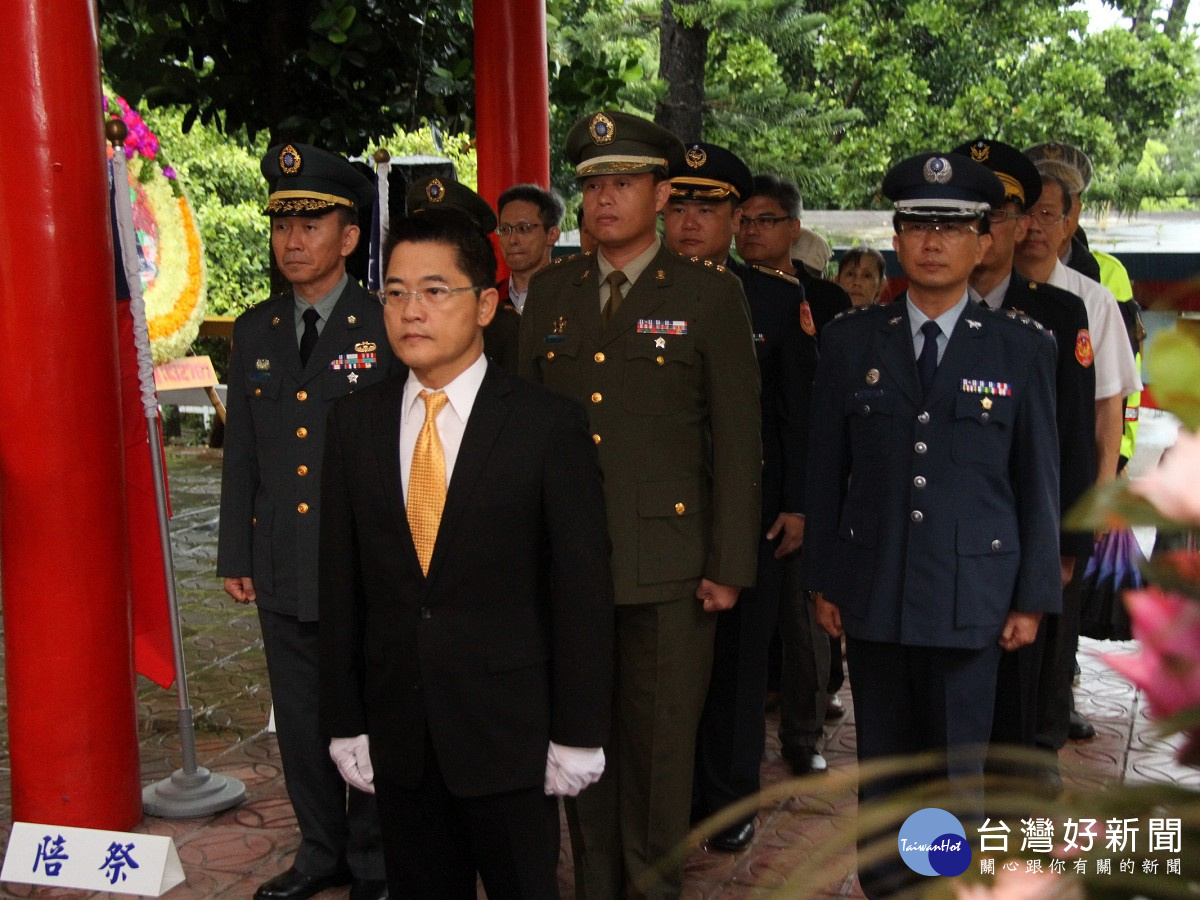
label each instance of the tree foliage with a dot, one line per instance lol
(337, 72)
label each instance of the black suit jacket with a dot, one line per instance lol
(507, 644)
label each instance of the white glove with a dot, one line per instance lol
(570, 769)
(352, 756)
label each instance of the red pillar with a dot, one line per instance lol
(72, 724)
(512, 95)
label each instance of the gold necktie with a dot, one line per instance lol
(615, 279)
(427, 482)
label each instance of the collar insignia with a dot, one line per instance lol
(973, 324)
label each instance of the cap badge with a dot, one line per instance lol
(602, 129)
(872, 376)
(289, 160)
(695, 157)
(980, 151)
(365, 347)
(937, 170)
(435, 191)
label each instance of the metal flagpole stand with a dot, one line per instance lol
(191, 790)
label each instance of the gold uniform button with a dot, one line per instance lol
(595, 438)
(301, 396)
(301, 471)
(254, 520)
(301, 432)
(302, 508)
(258, 392)
(680, 509)
(550, 354)
(597, 397)
(660, 360)
(599, 357)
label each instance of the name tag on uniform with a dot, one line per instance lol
(354, 361)
(661, 326)
(995, 388)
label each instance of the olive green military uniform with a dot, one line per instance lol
(671, 388)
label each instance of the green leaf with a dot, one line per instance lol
(1173, 369)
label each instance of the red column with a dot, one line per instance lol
(512, 95)
(72, 724)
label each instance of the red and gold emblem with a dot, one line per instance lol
(1083, 348)
(806, 319)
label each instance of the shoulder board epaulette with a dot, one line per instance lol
(707, 263)
(854, 311)
(777, 273)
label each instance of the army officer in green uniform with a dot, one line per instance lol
(660, 351)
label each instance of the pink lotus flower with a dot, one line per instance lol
(1167, 668)
(1174, 486)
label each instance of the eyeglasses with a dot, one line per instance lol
(762, 223)
(946, 229)
(521, 228)
(1000, 216)
(1046, 216)
(429, 297)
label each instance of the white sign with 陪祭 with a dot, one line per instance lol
(146, 865)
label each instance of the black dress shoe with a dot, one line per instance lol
(734, 839)
(295, 885)
(368, 889)
(834, 708)
(1079, 728)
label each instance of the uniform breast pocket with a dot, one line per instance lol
(983, 426)
(871, 415)
(262, 394)
(559, 362)
(656, 377)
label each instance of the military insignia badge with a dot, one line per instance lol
(660, 275)
(351, 320)
(435, 191)
(980, 151)
(602, 129)
(895, 320)
(662, 326)
(289, 160)
(276, 320)
(872, 376)
(760, 338)
(362, 360)
(660, 343)
(263, 365)
(986, 402)
(695, 156)
(806, 319)
(365, 347)
(972, 324)
(559, 324)
(937, 170)
(995, 388)
(1083, 348)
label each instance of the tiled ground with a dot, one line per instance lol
(229, 854)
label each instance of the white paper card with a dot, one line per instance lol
(145, 865)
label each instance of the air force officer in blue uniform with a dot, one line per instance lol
(932, 506)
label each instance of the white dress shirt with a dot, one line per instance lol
(451, 421)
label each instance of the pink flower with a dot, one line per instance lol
(1022, 884)
(1174, 486)
(1167, 668)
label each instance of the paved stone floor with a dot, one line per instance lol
(229, 854)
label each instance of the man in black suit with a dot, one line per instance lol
(292, 356)
(932, 529)
(466, 596)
